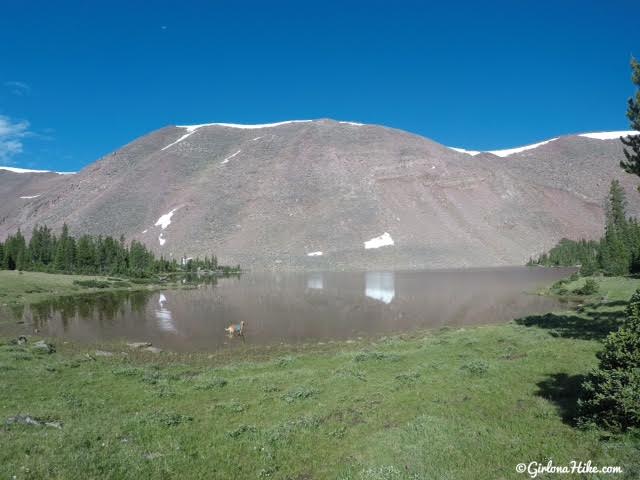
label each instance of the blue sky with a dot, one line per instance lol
(80, 79)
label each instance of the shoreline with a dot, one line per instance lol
(24, 288)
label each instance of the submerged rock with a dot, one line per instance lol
(103, 353)
(44, 347)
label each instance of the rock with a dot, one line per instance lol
(102, 353)
(21, 340)
(29, 420)
(53, 424)
(152, 455)
(44, 347)
(153, 349)
(22, 420)
(139, 344)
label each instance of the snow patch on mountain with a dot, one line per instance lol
(188, 134)
(161, 239)
(230, 157)
(381, 241)
(462, 150)
(505, 152)
(609, 135)
(510, 151)
(165, 220)
(314, 254)
(26, 170)
(27, 197)
(193, 128)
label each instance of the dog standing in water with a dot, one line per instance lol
(236, 329)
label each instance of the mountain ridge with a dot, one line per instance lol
(314, 194)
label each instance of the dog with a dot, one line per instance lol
(235, 329)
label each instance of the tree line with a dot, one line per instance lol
(88, 254)
(616, 253)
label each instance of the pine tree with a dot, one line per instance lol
(86, 254)
(616, 206)
(92, 255)
(614, 256)
(632, 153)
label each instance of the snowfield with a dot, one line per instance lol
(510, 151)
(609, 135)
(381, 241)
(165, 220)
(26, 170)
(192, 128)
(230, 157)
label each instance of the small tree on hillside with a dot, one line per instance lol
(632, 153)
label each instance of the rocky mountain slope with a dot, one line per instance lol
(328, 195)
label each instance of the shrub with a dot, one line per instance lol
(633, 307)
(365, 356)
(299, 393)
(167, 419)
(235, 433)
(590, 287)
(92, 283)
(476, 367)
(611, 393)
(213, 383)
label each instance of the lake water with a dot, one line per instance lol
(293, 307)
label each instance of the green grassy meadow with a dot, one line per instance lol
(18, 288)
(449, 404)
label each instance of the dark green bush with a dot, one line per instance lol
(559, 284)
(92, 283)
(611, 393)
(476, 367)
(590, 287)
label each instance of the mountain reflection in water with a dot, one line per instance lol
(292, 307)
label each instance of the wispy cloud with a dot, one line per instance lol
(18, 88)
(11, 135)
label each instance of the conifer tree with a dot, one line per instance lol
(632, 142)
